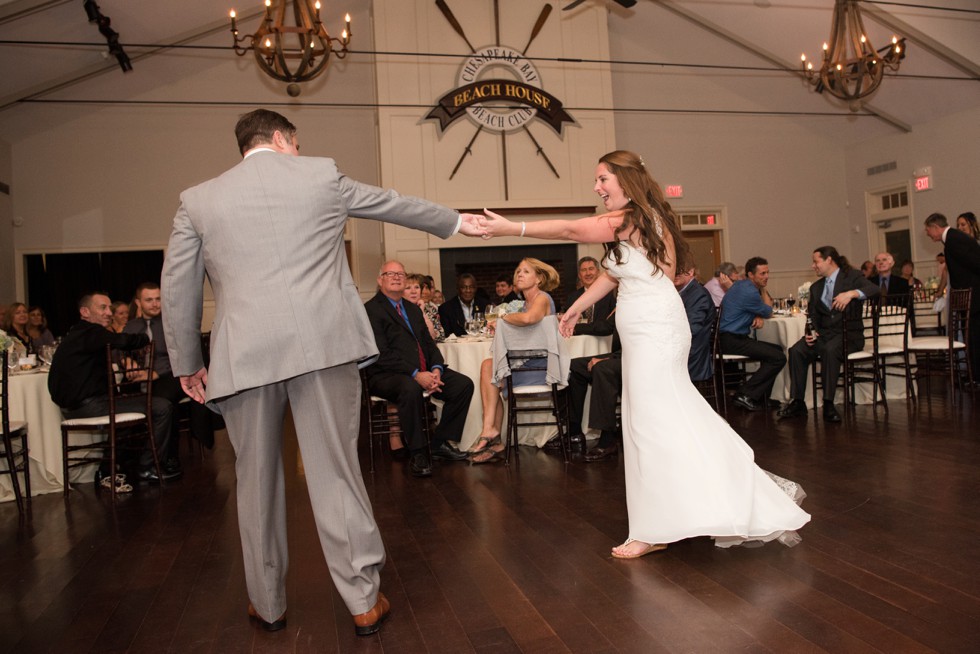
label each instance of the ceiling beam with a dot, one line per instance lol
(96, 70)
(719, 31)
(923, 40)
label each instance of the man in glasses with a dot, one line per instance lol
(409, 365)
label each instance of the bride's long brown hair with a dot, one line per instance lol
(646, 200)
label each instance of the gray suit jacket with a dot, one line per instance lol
(269, 234)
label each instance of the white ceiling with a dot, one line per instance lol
(732, 32)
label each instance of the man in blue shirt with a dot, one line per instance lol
(838, 286)
(743, 309)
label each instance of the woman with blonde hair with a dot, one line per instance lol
(415, 286)
(687, 472)
(120, 316)
(535, 279)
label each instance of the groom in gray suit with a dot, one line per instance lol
(270, 233)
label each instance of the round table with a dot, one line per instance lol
(465, 355)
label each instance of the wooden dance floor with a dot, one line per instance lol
(496, 559)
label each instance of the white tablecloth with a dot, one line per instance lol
(467, 354)
(31, 403)
(786, 331)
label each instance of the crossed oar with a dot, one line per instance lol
(538, 25)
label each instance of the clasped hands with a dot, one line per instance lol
(486, 225)
(430, 380)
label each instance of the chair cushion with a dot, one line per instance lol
(734, 357)
(933, 343)
(534, 389)
(102, 421)
(861, 354)
(889, 349)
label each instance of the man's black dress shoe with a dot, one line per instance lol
(830, 412)
(553, 444)
(747, 403)
(793, 409)
(275, 625)
(447, 452)
(150, 475)
(172, 466)
(420, 466)
(600, 453)
(577, 439)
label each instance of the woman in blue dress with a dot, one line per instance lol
(534, 279)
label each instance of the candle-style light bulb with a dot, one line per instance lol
(343, 35)
(232, 14)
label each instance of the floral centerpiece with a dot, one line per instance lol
(5, 341)
(803, 292)
(514, 306)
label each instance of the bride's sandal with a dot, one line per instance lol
(649, 549)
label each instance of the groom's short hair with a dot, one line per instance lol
(257, 127)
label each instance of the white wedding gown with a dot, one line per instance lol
(687, 472)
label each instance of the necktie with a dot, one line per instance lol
(149, 330)
(398, 308)
(884, 285)
(828, 293)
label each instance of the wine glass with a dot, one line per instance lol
(790, 302)
(473, 327)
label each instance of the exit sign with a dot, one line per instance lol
(922, 179)
(674, 191)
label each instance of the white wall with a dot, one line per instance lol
(108, 176)
(950, 146)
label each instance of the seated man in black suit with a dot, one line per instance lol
(165, 385)
(409, 363)
(599, 320)
(78, 381)
(894, 288)
(456, 312)
(838, 286)
(701, 313)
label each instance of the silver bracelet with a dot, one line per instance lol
(523, 227)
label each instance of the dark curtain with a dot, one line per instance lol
(56, 281)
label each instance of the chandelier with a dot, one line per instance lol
(296, 52)
(852, 69)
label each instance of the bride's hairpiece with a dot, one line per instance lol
(642, 163)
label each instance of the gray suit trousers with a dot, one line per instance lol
(325, 406)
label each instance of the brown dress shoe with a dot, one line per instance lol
(369, 623)
(268, 626)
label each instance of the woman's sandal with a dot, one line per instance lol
(120, 482)
(486, 441)
(650, 549)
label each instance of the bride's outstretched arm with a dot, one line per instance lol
(595, 229)
(601, 287)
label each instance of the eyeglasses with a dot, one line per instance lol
(394, 275)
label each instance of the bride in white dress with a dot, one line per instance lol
(687, 472)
